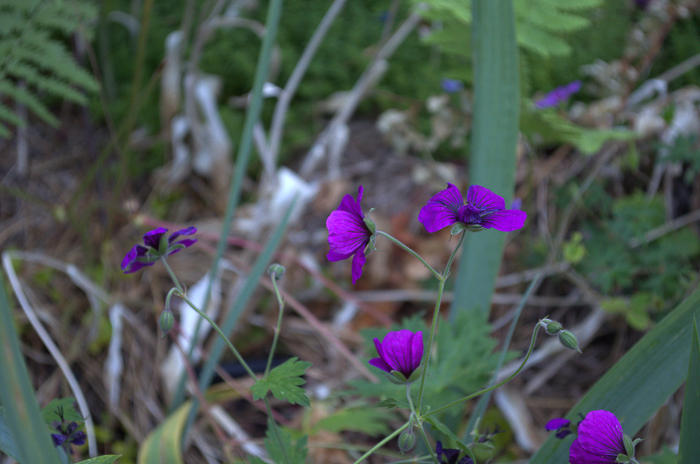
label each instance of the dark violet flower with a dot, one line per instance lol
(400, 351)
(156, 247)
(600, 440)
(349, 233)
(558, 95)
(483, 208)
(450, 456)
(452, 85)
(562, 426)
(69, 435)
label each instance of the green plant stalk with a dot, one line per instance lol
(172, 275)
(222, 335)
(252, 115)
(486, 390)
(280, 302)
(436, 313)
(382, 443)
(276, 431)
(428, 445)
(17, 395)
(411, 252)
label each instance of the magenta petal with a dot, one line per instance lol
(357, 262)
(557, 423)
(187, 242)
(416, 350)
(441, 209)
(505, 221)
(152, 237)
(333, 256)
(347, 232)
(601, 434)
(578, 455)
(130, 263)
(189, 231)
(401, 352)
(381, 364)
(349, 205)
(484, 199)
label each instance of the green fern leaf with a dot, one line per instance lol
(27, 98)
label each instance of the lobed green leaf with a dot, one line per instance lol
(283, 381)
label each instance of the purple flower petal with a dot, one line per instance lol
(334, 256)
(357, 262)
(380, 363)
(58, 439)
(600, 439)
(187, 242)
(152, 237)
(484, 199)
(506, 221)
(557, 423)
(130, 263)
(189, 231)
(400, 351)
(441, 210)
(349, 205)
(78, 438)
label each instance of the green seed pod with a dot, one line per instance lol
(276, 271)
(553, 328)
(407, 440)
(166, 321)
(568, 339)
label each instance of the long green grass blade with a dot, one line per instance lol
(689, 448)
(494, 141)
(22, 413)
(252, 115)
(639, 383)
(7, 440)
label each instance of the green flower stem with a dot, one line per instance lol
(436, 314)
(382, 443)
(221, 334)
(512, 376)
(172, 275)
(280, 302)
(276, 431)
(408, 397)
(410, 251)
(428, 445)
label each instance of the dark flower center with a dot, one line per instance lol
(469, 214)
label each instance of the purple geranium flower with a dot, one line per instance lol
(562, 426)
(349, 234)
(156, 247)
(483, 208)
(558, 95)
(600, 439)
(450, 456)
(400, 351)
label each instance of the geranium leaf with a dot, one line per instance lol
(283, 381)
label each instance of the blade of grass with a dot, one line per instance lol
(639, 383)
(689, 448)
(252, 115)
(494, 141)
(17, 395)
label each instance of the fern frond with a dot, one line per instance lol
(558, 21)
(30, 53)
(541, 42)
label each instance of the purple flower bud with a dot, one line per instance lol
(452, 85)
(562, 426)
(558, 95)
(400, 351)
(482, 209)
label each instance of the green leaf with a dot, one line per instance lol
(432, 420)
(639, 383)
(7, 441)
(164, 443)
(61, 408)
(106, 459)
(493, 147)
(281, 448)
(370, 421)
(283, 382)
(17, 395)
(689, 448)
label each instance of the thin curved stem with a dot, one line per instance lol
(280, 302)
(410, 251)
(382, 443)
(221, 334)
(172, 275)
(428, 445)
(511, 377)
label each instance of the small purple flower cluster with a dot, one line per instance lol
(69, 434)
(350, 233)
